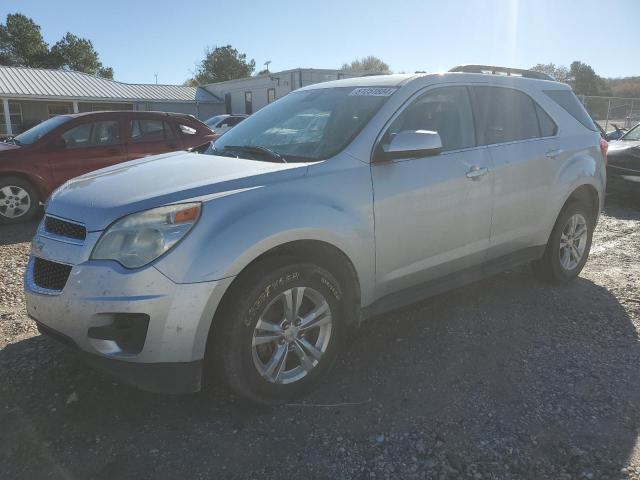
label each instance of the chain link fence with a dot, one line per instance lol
(610, 111)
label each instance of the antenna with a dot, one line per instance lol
(156, 75)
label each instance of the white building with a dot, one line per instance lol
(247, 95)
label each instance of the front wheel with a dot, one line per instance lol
(280, 332)
(569, 245)
(19, 201)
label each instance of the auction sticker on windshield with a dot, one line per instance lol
(372, 92)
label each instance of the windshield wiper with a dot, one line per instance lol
(257, 149)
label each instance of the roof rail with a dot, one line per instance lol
(501, 71)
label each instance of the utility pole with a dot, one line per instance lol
(266, 64)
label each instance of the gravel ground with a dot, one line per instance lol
(506, 378)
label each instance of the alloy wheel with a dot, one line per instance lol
(292, 335)
(573, 242)
(14, 201)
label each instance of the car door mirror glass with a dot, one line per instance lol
(411, 143)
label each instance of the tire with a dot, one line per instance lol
(253, 331)
(19, 200)
(553, 266)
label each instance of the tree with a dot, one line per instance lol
(370, 63)
(628, 87)
(559, 73)
(75, 53)
(585, 81)
(21, 43)
(223, 63)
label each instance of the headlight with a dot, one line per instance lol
(140, 238)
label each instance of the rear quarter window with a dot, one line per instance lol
(570, 103)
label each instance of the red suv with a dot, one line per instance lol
(37, 161)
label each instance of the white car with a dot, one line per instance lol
(335, 203)
(222, 123)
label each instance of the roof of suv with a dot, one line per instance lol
(398, 80)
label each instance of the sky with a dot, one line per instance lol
(142, 38)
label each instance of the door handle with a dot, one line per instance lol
(553, 153)
(476, 172)
(172, 145)
(113, 151)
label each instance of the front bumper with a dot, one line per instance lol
(135, 324)
(169, 378)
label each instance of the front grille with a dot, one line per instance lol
(64, 228)
(50, 275)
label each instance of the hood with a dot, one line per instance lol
(99, 198)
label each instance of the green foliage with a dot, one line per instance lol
(75, 53)
(21, 45)
(558, 73)
(625, 87)
(585, 81)
(370, 63)
(221, 64)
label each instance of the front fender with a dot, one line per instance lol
(236, 229)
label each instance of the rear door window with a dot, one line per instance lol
(146, 130)
(548, 127)
(567, 100)
(505, 115)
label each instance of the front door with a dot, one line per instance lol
(432, 214)
(86, 147)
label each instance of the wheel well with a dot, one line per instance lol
(588, 195)
(26, 178)
(322, 254)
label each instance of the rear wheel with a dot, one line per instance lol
(19, 201)
(569, 245)
(280, 332)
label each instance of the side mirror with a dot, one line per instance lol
(409, 144)
(58, 144)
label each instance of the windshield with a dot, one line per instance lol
(36, 133)
(307, 126)
(633, 134)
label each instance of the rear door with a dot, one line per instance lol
(150, 136)
(432, 214)
(521, 141)
(86, 146)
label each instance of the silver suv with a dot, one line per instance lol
(251, 261)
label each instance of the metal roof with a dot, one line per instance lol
(22, 82)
